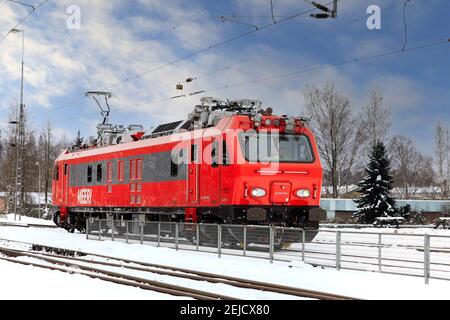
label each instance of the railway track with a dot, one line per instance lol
(66, 261)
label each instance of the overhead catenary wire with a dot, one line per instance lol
(196, 53)
(227, 67)
(213, 46)
(321, 67)
(23, 19)
(297, 72)
(171, 29)
(23, 4)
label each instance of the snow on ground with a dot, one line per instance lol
(31, 283)
(365, 285)
(9, 218)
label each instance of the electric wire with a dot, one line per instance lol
(321, 67)
(23, 19)
(213, 46)
(191, 55)
(227, 67)
(307, 70)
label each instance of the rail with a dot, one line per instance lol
(93, 267)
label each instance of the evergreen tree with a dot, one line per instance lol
(78, 142)
(376, 200)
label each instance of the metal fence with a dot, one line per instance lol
(419, 255)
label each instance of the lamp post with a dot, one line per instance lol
(39, 198)
(21, 134)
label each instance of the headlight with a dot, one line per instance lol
(277, 123)
(303, 193)
(258, 192)
(268, 122)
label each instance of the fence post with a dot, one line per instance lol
(303, 244)
(245, 241)
(87, 228)
(219, 240)
(159, 233)
(112, 228)
(380, 244)
(176, 236)
(271, 244)
(338, 250)
(126, 229)
(427, 258)
(198, 236)
(142, 232)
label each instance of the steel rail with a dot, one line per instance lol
(189, 274)
(193, 276)
(111, 276)
(216, 278)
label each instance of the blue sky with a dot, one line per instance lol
(118, 39)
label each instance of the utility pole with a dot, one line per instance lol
(47, 165)
(19, 193)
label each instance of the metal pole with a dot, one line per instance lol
(245, 241)
(198, 236)
(427, 259)
(142, 232)
(271, 249)
(219, 240)
(303, 244)
(176, 236)
(21, 132)
(338, 250)
(112, 228)
(39, 187)
(87, 228)
(380, 243)
(99, 229)
(126, 229)
(159, 234)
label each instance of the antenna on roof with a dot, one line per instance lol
(105, 111)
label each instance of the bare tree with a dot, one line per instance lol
(442, 159)
(413, 172)
(376, 118)
(339, 135)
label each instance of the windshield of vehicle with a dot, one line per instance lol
(267, 147)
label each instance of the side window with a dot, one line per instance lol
(66, 169)
(99, 173)
(109, 173)
(215, 155)
(120, 173)
(56, 173)
(225, 155)
(89, 174)
(132, 169)
(194, 153)
(139, 170)
(174, 164)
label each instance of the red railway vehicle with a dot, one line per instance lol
(229, 163)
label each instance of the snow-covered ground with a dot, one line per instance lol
(9, 218)
(365, 285)
(31, 283)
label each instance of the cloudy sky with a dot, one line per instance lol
(136, 50)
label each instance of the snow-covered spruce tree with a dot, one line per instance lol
(376, 200)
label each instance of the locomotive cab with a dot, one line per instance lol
(276, 175)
